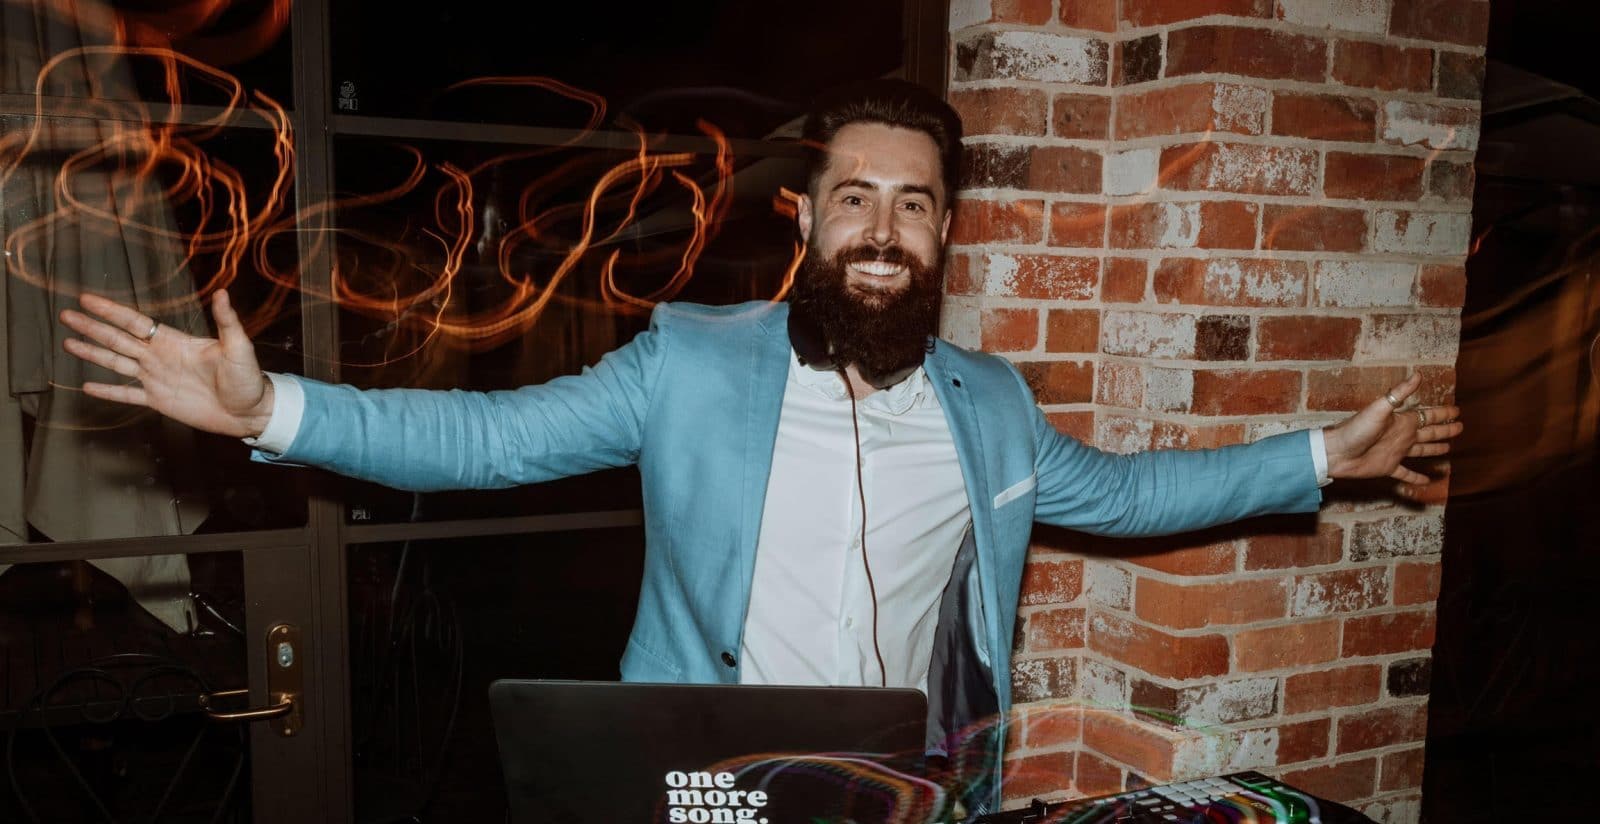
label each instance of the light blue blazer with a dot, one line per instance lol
(694, 401)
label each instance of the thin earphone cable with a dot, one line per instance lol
(861, 491)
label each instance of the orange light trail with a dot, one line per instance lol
(133, 155)
(234, 221)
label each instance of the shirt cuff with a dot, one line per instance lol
(288, 407)
(1319, 457)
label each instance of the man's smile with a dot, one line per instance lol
(878, 269)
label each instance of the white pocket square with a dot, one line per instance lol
(1016, 490)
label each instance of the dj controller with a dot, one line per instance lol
(1237, 798)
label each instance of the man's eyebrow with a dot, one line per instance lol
(905, 188)
(854, 183)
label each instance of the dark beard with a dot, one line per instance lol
(883, 333)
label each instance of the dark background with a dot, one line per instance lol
(1513, 731)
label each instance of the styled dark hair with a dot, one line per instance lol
(898, 103)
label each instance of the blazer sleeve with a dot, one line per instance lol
(427, 440)
(1168, 491)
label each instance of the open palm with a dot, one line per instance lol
(214, 384)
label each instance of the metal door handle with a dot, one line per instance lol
(285, 685)
(284, 706)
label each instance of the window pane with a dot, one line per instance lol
(516, 295)
(747, 67)
(101, 667)
(79, 212)
(433, 622)
(125, 51)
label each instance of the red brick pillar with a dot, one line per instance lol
(1199, 222)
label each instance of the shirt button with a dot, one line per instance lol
(727, 658)
(849, 623)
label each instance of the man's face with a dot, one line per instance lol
(880, 191)
(874, 231)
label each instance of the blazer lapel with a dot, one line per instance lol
(768, 367)
(962, 415)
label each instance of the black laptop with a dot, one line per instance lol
(580, 751)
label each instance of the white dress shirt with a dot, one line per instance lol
(810, 619)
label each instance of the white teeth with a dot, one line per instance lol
(878, 268)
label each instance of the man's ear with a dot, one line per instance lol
(802, 217)
(944, 227)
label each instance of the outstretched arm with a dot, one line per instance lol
(214, 384)
(1168, 491)
(405, 438)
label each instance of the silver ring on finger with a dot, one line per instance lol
(155, 326)
(1389, 396)
(1422, 417)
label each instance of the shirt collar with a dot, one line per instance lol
(896, 400)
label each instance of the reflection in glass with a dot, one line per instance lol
(99, 714)
(164, 53)
(159, 217)
(433, 622)
(486, 266)
(749, 68)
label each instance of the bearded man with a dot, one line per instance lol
(831, 494)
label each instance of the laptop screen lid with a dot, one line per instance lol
(583, 751)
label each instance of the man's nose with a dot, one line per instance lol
(881, 229)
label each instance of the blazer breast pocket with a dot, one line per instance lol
(1016, 490)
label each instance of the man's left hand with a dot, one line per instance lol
(1373, 442)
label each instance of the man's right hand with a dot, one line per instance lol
(214, 384)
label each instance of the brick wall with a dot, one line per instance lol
(1193, 223)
